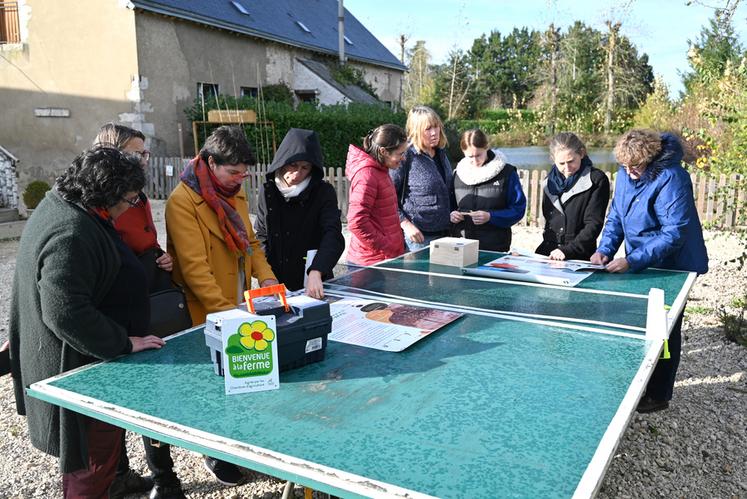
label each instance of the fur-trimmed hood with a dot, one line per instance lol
(473, 175)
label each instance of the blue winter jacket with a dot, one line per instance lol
(423, 195)
(656, 216)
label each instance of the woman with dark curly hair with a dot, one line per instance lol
(79, 294)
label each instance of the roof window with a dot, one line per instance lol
(303, 26)
(347, 40)
(240, 7)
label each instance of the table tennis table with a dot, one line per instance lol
(526, 395)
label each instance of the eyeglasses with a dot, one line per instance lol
(134, 201)
(238, 174)
(635, 168)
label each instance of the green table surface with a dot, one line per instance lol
(546, 302)
(485, 407)
(671, 281)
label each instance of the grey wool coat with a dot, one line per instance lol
(66, 265)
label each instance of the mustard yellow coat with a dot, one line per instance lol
(203, 264)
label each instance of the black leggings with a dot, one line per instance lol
(661, 384)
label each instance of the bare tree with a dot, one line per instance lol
(402, 41)
(725, 12)
(551, 42)
(613, 31)
(459, 83)
(419, 80)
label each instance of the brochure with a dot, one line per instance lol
(391, 327)
(535, 269)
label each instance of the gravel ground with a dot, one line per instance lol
(697, 448)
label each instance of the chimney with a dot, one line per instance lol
(341, 29)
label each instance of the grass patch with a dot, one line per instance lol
(698, 310)
(734, 320)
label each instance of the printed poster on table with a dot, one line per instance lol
(391, 327)
(535, 269)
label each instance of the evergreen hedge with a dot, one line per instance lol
(337, 126)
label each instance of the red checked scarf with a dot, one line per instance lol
(198, 177)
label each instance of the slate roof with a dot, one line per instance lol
(352, 92)
(7, 153)
(276, 20)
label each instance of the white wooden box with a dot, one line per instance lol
(454, 251)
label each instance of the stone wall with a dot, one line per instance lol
(8, 183)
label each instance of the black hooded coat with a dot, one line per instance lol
(311, 220)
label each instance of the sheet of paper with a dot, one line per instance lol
(309, 260)
(383, 326)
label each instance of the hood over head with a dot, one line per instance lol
(298, 145)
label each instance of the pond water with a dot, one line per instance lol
(538, 158)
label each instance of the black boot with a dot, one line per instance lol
(166, 483)
(129, 483)
(226, 473)
(167, 491)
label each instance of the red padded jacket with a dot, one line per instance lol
(373, 220)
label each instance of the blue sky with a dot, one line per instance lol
(659, 28)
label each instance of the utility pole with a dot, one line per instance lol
(341, 30)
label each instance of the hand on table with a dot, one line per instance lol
(314, 286)
(556, 254)
(146, 343)
(268, 282)
(599, 258)
(618, 265)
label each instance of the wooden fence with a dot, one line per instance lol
(722, 210)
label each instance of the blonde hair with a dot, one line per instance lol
(116, 136)
(418, 119)
(638, 147)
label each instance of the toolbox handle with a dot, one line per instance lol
(275, 289)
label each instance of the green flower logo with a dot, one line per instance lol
(247, 350)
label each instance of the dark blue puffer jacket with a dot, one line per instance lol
(422, 193)
(656, 216)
